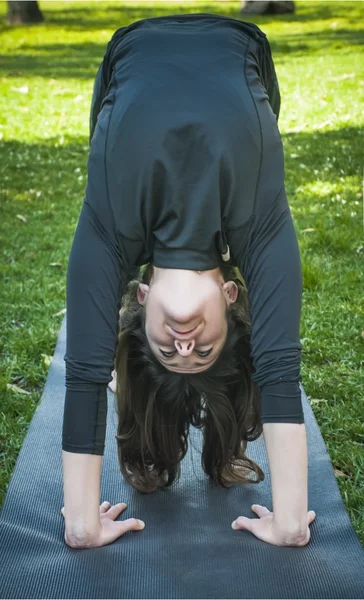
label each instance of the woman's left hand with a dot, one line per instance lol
(265, 528)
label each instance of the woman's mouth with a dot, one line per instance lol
(184, 332)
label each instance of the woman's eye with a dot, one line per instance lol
(204, 354)
(170, 354)
(167, 354)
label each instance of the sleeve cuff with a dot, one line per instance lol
(281, 402)
(84, 421)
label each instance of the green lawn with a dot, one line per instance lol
(46, 78)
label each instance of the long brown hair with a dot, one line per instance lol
(156, 407)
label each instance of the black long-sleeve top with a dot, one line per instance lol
(186, 166)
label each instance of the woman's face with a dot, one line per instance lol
(185, 313)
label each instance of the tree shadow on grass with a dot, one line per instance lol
(310, 11)
(316, 42)
(324, 154)
(323, 181)
(56, 61)
(82, 60)
(59, 172)
(317, 150)
(79, 18)
(34, 176)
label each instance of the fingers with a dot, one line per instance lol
(131, 525)
(311, 516)
(242, 523)
(104, 506)
(114, 511)
(112, 530)
(260, 510)
(246, 523)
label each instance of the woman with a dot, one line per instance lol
(185, 176)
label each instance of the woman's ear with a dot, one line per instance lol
(231, 291)
(142, 293)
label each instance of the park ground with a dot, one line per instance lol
(46, 78)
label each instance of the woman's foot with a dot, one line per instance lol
(112, 384)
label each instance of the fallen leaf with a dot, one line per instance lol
(21, 218)
(46, 359)
(339, 473)
(297, 129)
(24, 89)
(55, 264)
(61, 312)
(308, 230)
(16, 388)
(317, 400)
(341, 77)
(322, 125)
(17, 323)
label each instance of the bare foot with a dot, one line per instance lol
(112, 384)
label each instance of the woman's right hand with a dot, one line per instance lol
(109, 529)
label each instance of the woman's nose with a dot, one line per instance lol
(184, 348)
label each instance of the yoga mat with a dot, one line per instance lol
(187, 549)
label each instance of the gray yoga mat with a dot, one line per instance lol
(187, 549)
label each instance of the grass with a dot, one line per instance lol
(46, 79)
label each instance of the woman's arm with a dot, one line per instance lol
(81, 488)
(96, 278)
(89, 525)
(286, 446)
(94, 288)
(273, 275)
